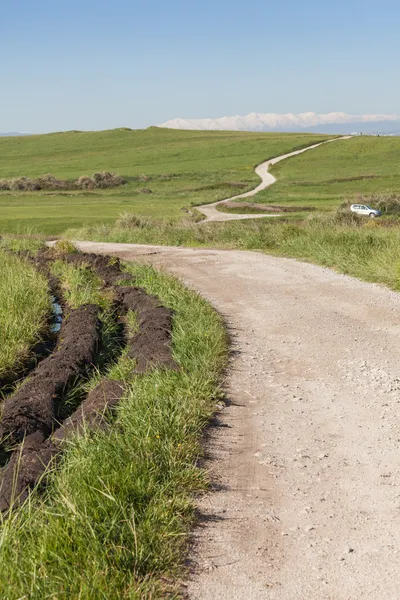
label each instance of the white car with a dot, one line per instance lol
(364, 209)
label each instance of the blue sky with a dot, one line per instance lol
(69, 64)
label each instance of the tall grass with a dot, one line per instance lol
(366, 249)
(118, 511)
(24, 310)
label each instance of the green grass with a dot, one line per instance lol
(24, 311)
(80, 285)
(369, 250)
(181, 168)
(327, 176)
(117, 514)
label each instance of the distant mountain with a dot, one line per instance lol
(12, 133)
(334, 123)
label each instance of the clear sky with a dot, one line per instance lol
(96, 64)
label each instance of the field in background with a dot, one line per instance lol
(167, 170)
(334, 172)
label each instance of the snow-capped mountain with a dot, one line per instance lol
(12, 133)
(337, 122)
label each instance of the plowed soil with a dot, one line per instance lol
(31, 417)
(30, 460)
(34, 407)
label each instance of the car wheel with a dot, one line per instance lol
(372, 215)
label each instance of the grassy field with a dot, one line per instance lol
(24, 311)
(334, 172)
(179, 168)
(115, 533)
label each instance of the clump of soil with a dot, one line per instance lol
(151, 345)
(34, 407)
(25, 469)
(31, 415)
(107, 267)
(92, 412)
(30, 461)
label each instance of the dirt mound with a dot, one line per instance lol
(30, 461)
(151, 346)
(107, 267)
(102, 399)
(31, 416)
(26, 467)
(34, 407)
(136, 299)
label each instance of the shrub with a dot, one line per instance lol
(107, 180)
(388, 204)
(85, 183)
(64, 247)
(4, 184)
(131, 221)
(49, 182)
(24, 184)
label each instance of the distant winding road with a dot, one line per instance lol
(210, 210)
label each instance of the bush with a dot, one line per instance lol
(64, 247)
(85, 183)
(131, 221)
(49, 182)
(24, 184)
(388, 204)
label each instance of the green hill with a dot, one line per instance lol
(336, 172)
(166, 170)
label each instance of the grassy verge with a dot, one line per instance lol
(118, 511)
(366, 249)
(24, 311)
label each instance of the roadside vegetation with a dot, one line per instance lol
(49, 182)
(25, 310)
(115, 516)
(365, 248)
(114, 520)
(165, 172)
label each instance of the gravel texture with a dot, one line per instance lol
(305, 460)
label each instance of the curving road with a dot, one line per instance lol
(305, 460)
(212, 214)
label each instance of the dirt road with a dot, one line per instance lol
(267, 179)
(306, 503)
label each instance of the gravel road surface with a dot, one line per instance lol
(305, 460)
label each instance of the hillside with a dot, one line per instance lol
(361, 165)
(165, 170)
